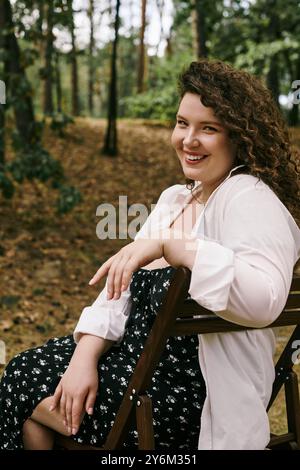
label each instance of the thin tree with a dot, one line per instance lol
(141, 65)
(58, 82)
(199, 22)
(91, 60)
(110, 145)
(73, 57)
(274, 34)
(48, 73)
(3, 66)
(23, 107)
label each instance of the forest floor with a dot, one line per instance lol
(46, 260)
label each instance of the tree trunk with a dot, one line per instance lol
(39, 22)
(48, 100)
(58, 83)
(141, 66)
(110, 145)
(273, 78)
(91, 58)
(3, 47)
(200, 29)
(74, 69)
(23, 108)
(294, 116)
(273, 73)
(169, 46)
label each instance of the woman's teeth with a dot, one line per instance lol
(193, 158)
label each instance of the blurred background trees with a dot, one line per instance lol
(66, 47)
(114, 59)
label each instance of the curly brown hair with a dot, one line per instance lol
(246, 108)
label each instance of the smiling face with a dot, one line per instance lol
(202, 144)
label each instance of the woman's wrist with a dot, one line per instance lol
(91, 348)
(179, 248)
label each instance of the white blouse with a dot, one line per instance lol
(247, 246)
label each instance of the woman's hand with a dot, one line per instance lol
(119, 268)
(75, 394)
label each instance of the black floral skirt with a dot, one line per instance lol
(177, 388)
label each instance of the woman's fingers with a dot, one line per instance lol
(56, 397)
(62, 407)
(127, 274)
(68, 413)
(99, 274)
(114, 278)
(90, 401)
(119, 276)
(119, 268)
(102, 271)
(77, 414)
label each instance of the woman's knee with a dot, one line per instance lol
(36, 436)
(51, 419)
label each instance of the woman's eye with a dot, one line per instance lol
(181, 123)
(209, 128)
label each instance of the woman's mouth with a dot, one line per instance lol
(194, 159)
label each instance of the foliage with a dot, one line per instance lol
(59, 122)
(161, 100)
(241, 32)
(68, 198)
(6, 186)
(35, 163)
(152, 104)
(256, 58)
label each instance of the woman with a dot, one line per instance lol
(235, 232)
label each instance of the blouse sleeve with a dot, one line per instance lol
(107, 318)
(246, 277)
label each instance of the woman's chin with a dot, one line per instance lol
(191, 174)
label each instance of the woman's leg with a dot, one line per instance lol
(29, 377)
(39, 429)
(36, 436)
(50, 419)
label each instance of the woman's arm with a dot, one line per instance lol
(179, 249)
(246, 276)
(77, 389)
(91, 348)
(107, 318)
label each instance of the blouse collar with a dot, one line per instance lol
(186, 193)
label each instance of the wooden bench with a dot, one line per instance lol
(176, 317)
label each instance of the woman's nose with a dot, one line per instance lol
(191, 141)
